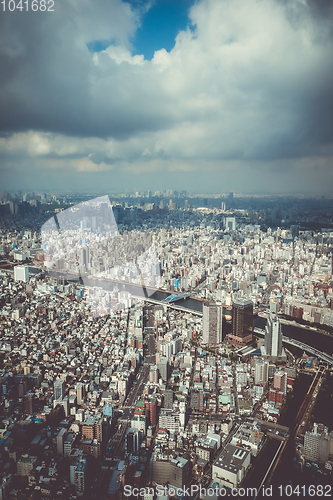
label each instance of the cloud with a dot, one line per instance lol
(247, 82)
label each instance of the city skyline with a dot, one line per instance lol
(104, 388)
(209, 96)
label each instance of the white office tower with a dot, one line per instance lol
(311, 444)
(318, 443)
(261, 372)
(59, 389)
(166, 349)
(153, 374)
(176, 345)
(78, 473)
(212, 324)
(273, 336)
(21, 273)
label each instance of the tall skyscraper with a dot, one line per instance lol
(242, 318)
(273, 336)
(212, 324)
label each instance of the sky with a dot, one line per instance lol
(204, 95)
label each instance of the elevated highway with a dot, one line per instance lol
(306, 348)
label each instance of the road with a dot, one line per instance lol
(297, 423)
(99, 489)
(137, 387)
(235, 391)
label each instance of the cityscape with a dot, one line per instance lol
(166, 249)
(210, 376)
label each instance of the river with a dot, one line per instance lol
(320, 341)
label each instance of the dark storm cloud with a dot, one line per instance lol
(251, 81)
(322, 8)
(49, 81)
(315, 97)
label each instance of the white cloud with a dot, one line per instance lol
(242, 84)
(120, 54)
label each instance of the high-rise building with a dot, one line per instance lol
(212, 324)
(273, 337)
(84, 256)
(318, 444)
(25, 464)
(169, 419)
(60, 441)
(242, 318)
(261, 372)
(21, 273)
(168, 399)
(163, 368)
(139, 422)
(153, 374)
(132, 441)
(92, 428)
(311, 443)
(151, 407)
(276, 396)
(68, 443)
(166, 349)
(325, 446)
(230, 223)
(197, 400)
(79, 393)
(59, 389)
(21, 388)
(231, 475)
(28, 403)
(280, 381)
(78, 472)
(176, 345)
(175, 470)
